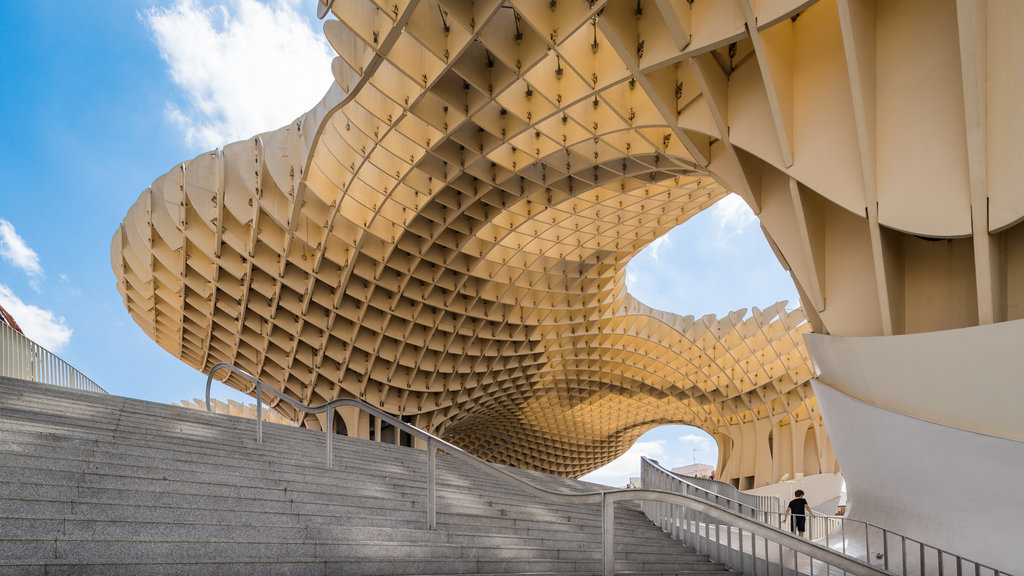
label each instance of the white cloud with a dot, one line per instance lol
(694, 438)
(705, 446)
(46, 328)
(733, 216)
(619, 471)
(245, 66)
(14, 250)
(658, 245)
(672, 446)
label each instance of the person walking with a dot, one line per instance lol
(800, 510)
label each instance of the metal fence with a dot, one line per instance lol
(23, 359)
(873, 545)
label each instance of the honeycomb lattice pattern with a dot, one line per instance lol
(446, 234)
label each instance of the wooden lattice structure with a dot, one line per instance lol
(446, 234)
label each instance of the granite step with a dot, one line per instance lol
(97, 484)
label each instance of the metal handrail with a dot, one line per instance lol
(764, 502)
(927, 559)
(24, 359)
(709, 495)
(607, 498)
(754, 511)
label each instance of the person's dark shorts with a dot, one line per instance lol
(797, 523)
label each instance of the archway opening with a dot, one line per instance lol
(338, 426)
(811, 464)
(674, 446)
(715, 262)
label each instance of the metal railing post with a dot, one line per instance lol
(867, 544)
(742, 562)
(903, 554)
(327, 428)
(885, 548)
(431, 485)
(728, 546)
(782, 564)
(608, 535)
(843, 535)
(259, 412)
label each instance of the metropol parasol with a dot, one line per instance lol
(445, 235)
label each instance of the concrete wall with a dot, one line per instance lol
(928, 432)
(921, 374)
(818, 489)
(954, 488)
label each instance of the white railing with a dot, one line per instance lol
(884, 549)
(23, 359)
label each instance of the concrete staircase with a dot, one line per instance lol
(95, 484)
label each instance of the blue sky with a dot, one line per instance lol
(99, 98)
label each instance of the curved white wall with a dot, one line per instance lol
(958, 490)
(968, 378)
(818, 489)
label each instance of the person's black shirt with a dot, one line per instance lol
(797, 505)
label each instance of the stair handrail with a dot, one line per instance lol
(774, 519)
(764, 502)
(606, 498)
(709, 495)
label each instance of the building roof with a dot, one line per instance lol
(6, 318)
(694, 470)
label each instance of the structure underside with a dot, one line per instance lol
(446, 234)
